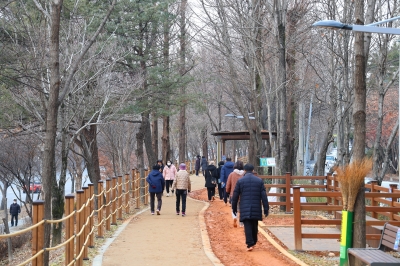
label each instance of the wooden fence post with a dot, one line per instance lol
(297, 218)
(120, 195)
(108, 202)
(100, 210)
(127, 193)
(146, 188)
(69, 228)
(137, 188)
(373, 201)
(91, 212)
(328, 184)
(86, 230)
(38, 232)
(392, 188)
(79, 222)
(288, 184)
(114, 200)
(133, 183)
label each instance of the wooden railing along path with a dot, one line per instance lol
(382, 204)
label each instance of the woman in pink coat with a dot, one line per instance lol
(169, 174)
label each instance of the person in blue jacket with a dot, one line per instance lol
(251, 191)
(156, 188)
(225, 171)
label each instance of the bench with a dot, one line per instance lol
(377, 257)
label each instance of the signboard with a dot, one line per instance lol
(267, 162)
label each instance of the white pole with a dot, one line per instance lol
(308, 136)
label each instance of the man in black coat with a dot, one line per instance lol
(251, 192)
(15, 209)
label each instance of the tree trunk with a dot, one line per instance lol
(140, 159)
(204, 142)
(145, 126)
(182, 113)
(154, 135)
(166, 149)
(59, 189)
(48, 163)
(359, 118)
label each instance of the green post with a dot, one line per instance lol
(346, 237)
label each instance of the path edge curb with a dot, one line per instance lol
(277, 246)
(204, 235)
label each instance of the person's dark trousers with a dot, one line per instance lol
(204, 172)
(226, 195)
(181, 193)
(168, 184)
(220, 191)
(210, 192)
(159, 201)
(14, 216)
(250, 231)
(197, 172)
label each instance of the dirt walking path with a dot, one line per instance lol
(197, 239)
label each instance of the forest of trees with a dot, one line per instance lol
(100, 87)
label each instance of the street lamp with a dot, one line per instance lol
(370, 28)
(239, 116)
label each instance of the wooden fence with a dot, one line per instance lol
(382, 203)
(79, 222)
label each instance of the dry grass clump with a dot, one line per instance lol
(351, 179)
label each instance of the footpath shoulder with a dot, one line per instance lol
(166, 239)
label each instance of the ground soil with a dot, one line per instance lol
(228, 243)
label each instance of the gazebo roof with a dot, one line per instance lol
(239, 135)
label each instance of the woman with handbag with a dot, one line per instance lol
(211, 176)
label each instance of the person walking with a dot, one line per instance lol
(197, 165)
(204, 165)
(182, 186)
(233, 177)
(211, 175)
(169, 174)
(160, 163)
(251, 192)
(15, 209)
(220, 189)
(225, 171)
(156, 188)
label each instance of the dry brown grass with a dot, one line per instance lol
(351, 179)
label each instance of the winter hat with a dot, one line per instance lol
(221, 163)
(248, 167)
(156, 167)
(182, 166)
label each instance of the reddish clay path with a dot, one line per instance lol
(228, 243)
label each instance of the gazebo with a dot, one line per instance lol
(223, 136)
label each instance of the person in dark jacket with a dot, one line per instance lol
(156, 188)
(15, 209)
(197, 165)
(225, 172)
(251, 191)
(211, 175)
(204, 165)
(220, 189)
(160, 163)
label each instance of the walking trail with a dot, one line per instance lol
(166, 239)
(169, 239)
